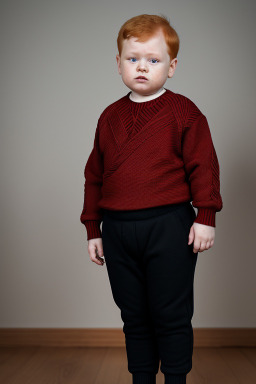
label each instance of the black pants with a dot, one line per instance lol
(151, 272)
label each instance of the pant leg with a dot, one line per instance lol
(128, 285)
(169, 264)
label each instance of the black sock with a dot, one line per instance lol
(144, 378)
(175, 379)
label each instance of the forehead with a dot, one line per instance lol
(155, 44)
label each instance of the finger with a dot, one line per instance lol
(99, 251)
(99, 255)
(191, 236)
(202, 246)
(102, 261)
(196, 246)
(93, 253)
(96, 260)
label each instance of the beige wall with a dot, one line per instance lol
(58, 72)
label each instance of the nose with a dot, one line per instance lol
(142, 66)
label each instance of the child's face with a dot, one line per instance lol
(149, 59)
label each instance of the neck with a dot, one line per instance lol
(141, 98)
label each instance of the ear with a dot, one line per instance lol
(118, 60)
(172, 67)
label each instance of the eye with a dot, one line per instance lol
(131, 58)
(156, 60)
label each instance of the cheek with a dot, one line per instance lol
(161, 72)
(127, 70)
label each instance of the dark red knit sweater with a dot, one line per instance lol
(148, 154)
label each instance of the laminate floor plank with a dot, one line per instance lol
(108, 365)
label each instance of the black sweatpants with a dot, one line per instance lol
(151, 272)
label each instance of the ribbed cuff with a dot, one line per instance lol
(93, 229)
(175, 379)
(206, 216)
(144, 378)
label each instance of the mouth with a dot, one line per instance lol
(141, 77)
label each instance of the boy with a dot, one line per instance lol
(153, 153)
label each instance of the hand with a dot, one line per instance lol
(202, 235)
(95, 250)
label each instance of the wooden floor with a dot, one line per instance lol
(79, 365)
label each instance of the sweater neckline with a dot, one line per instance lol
(134, 116)
(148, 103)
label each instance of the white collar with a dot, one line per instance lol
(140, 99)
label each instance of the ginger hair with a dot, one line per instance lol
(144, 27)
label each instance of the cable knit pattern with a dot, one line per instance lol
(149, 154)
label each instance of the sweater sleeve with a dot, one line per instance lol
(91, 215)
(202, 169)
